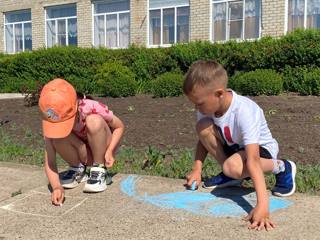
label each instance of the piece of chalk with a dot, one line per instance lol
(193, 186)
(60, 204)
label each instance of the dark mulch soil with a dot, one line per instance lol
(169, 122)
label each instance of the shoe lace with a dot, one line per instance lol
(95, 175)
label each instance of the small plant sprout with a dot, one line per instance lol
(13, 194)
(272, 112)
(131, 108)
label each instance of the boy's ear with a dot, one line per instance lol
(219, 93)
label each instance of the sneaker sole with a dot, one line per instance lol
(93, 189)
(294, 171)
(233, 183)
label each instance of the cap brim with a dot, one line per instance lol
(59, 129)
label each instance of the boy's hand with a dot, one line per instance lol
(195, 175)
(109, 159)
(57, 196)
(259, 219)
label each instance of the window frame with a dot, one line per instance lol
(56, 25)
(175, 7)
(305, 16)
(212, 2)
(13, 31)
(117, 13)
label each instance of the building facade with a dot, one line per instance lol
(26, 25)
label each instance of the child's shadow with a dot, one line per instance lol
(235, 194)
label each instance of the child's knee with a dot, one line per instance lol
(204, 127)
(231, 169)
(94, 123)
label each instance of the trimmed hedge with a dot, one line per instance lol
(116, 80)
(79, 65)
(168, 85)
(259, 82)
(304, 80)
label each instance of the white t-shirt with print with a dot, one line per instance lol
(244, 123)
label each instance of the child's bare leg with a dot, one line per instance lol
(211, 139)
(235, 165)
(71, 149)
(99, 137)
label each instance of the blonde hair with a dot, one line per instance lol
(204, 73)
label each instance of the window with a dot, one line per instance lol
(18, 37)
(303, 14)
(238, 20)
(112, 23)
(61, 24)
(168, 22)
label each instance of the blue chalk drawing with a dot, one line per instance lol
(220, 203)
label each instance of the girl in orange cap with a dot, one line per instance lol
(83, 132)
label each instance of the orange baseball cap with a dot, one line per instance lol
(58, 105)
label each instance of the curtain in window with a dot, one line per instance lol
(183, 24)
(236, 20)
(51, 33)
(27, 36)
(155, 27)
(295, 14)
(313, 14)
(99, 36)
(219, 21)
(168, 26)
(124, 30)
(9, 38)
(72, 31)
(111, 30)
(62, 38)
(18, 41)
(252, 16)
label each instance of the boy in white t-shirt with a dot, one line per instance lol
(233, 129)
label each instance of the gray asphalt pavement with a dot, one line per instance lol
(129, 210)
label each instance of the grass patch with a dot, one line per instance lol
(149, 161)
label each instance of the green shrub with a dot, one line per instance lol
(80, 65)
(144, 87)
(261, 81)
(312, 83)
(304, 80)
(116, 80)
(168, 85)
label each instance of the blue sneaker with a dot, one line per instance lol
(221, 181)
(285, 181)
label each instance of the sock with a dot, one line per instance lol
(278, 166)
(80, 166)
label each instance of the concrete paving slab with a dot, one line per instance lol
(16, 178)
(117, 214)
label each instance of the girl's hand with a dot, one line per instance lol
(259, 219)
(57, 196)
(109, 159)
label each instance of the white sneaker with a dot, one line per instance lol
(97, 180)
(73, 176)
